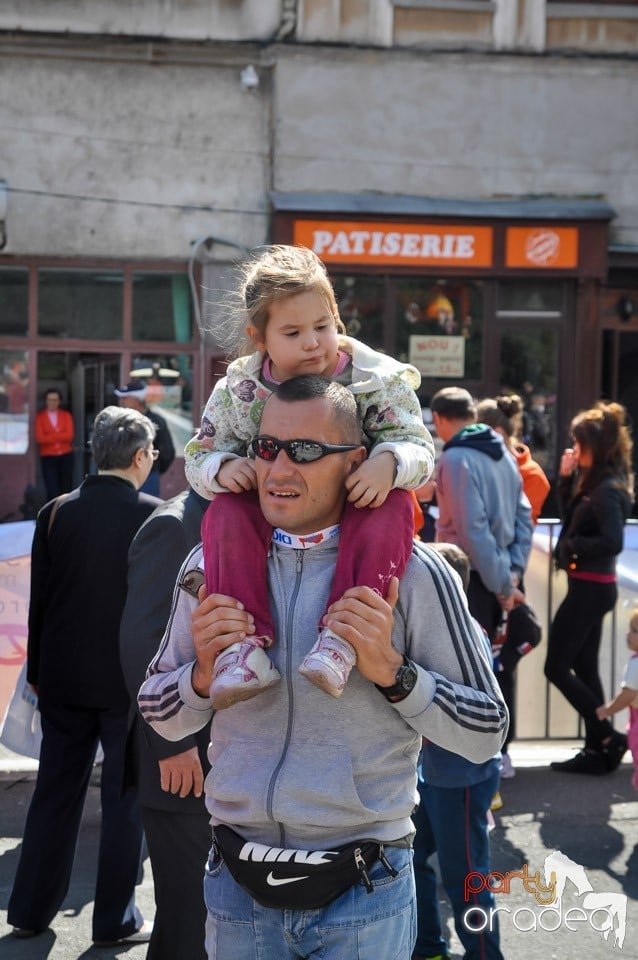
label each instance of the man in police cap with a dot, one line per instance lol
(133, 395)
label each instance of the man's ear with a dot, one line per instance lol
(357, 457)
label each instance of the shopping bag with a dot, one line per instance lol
(21, 730)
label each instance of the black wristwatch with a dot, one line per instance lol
(404, 682)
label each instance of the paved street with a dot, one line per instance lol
(593, 821)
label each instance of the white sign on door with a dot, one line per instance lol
(438, 356)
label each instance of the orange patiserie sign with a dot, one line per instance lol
(407, 244)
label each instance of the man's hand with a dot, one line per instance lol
(369, 484)
(364, 619)
(182, 773)
(426, 492)
(218, 622)
(603, 713)
(513, 600)
(237, 475)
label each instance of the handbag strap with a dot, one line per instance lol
(56, 503)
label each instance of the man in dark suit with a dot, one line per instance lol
(169, 775)
(78, 589)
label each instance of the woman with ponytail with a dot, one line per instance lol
(596, 494)
(505, 415)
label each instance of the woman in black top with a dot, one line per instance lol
(596, 489)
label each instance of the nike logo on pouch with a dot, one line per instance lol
(277, 881)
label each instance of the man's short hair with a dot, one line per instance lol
(310, 387)
(454, 403)
(118, 433)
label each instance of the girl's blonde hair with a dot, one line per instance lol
(275, 273)
(633, 619)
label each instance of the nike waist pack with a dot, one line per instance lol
(298, 879)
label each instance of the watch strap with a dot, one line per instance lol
(398, 691)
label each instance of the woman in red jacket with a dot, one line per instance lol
(54, 436)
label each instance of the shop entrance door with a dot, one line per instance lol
(93, 380)
(528, 357)
(619, 379)
(87, 382)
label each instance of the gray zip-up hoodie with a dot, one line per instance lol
(295, 767)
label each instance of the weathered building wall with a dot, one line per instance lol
(129, 159)
(456, 125)
(181, 19)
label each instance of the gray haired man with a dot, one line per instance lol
(78, 589)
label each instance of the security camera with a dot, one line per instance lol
(249, 78)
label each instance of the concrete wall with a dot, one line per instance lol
(181, 19)
(459, 126)
(109, 155)
(173, 152)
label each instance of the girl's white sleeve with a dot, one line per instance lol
(216, 441)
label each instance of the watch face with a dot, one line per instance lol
(407, 677)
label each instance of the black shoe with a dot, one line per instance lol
(585, 761)
(614, 750)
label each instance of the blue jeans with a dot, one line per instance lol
(356, 926)
(452, 821)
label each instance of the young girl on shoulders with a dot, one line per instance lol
(291, 319)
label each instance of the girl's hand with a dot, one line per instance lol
(237, 475)
(371, 483)
(568, 462)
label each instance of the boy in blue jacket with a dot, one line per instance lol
(451, 819)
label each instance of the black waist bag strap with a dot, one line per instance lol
(297, 879)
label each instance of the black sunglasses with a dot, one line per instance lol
(299, 451)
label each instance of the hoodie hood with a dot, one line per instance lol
(479, 437)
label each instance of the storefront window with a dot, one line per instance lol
(439, 327)
(161, 307)
(538, 297)
(169, 383)
(14, 295)
(80, 304)
(14, 405)
(361, 302)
